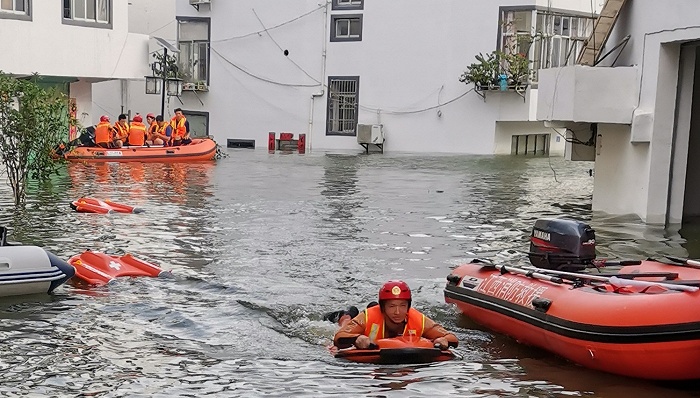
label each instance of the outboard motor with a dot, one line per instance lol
(562, 244)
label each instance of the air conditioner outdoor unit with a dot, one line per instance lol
(370, 134)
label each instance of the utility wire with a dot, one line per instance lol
(417, 110)
(260, 77)
(273, 27)
(281, 49)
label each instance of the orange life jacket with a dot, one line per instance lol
(374, 323)
(103, 132)
(121, 132)
(152, 129)
(137, 134)
(179, 128)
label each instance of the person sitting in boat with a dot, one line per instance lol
(159, 133)
(151, 122)
(391, 318)
(181, 129)
(103, 132)
(121, 131)
(137, 132)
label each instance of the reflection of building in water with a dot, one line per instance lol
(175, 197)
(340, 189)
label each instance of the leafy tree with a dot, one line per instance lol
(33, 122)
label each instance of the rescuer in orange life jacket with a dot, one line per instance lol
(103, 132)
(391, 318)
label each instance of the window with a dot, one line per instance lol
(348, 4)
(193, 60)
(530, 144)
(342, 105)
(14, 6)
(199, 123)
(554, 40)
(346, 27)
(15, 9)
(96, 13)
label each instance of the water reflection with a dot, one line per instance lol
(339, 187)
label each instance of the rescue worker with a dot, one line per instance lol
(391, 318)
(160, 135)
(121, 131)
(103, 132)
(181, 129)
(151, 125)
(137, 131)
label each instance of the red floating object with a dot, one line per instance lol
(92, 205)
(99, 269)
(398, 350)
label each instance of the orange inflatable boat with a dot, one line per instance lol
(92, 205)
(98, 269)
(199, 149)
(397, 350)
(640, 320)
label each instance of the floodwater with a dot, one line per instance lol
(261, 245)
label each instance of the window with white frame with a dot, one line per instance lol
(346, 27)
(193, 42)
(342, 105)
(553, 40)
(348, 4)
(91, 11)
(14, 6)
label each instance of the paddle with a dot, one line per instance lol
(520, 271)
(684, 262)
(574, 275)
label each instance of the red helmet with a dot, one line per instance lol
(151, 115)
(394, 290)
(104, 118)
(138, 118)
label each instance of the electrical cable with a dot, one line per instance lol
(281, 49)
(273, 27)
(259, 77)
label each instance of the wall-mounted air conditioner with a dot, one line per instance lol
(370, 134)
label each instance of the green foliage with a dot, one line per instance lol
(33, 122)
(482, 73)
(486, 71)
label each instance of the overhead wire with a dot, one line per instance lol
(272, 27)
(259, 77)
(281, 49)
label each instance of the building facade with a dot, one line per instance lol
(257, 66)
(637, 111)
(73, 44)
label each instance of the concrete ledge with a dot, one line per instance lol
(588, 94)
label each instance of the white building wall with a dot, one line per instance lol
(46, 46)
(153, 18)
(408, 62)
(657, 30)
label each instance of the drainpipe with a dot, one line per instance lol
(323, 75)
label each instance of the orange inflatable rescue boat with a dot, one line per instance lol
(92, 205)
(94, 268)
(398, 350)
(638, 319)
(199, 150)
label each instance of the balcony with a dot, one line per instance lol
(588, 94)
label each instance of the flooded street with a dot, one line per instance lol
(261, 245)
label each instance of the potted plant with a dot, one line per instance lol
(483, 73)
